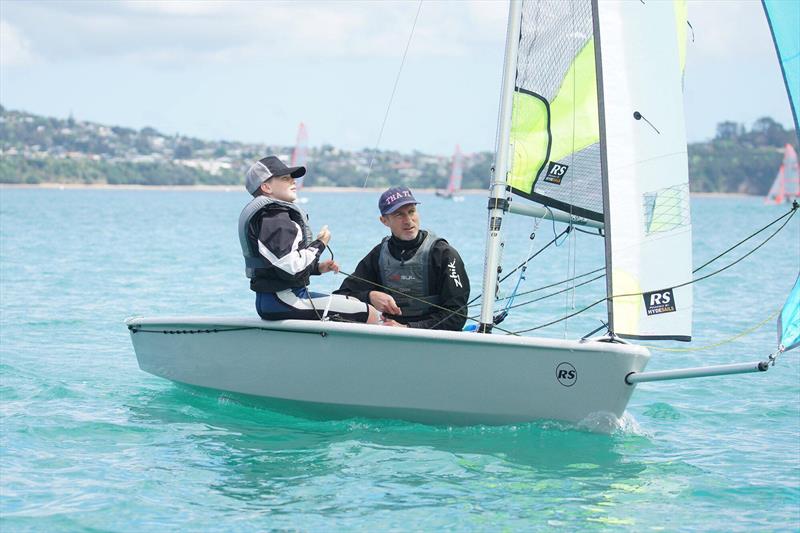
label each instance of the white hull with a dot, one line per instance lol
(425, 376)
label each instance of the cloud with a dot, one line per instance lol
(175, 32)
(15, 49)
(178, 7)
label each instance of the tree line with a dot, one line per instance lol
(48, 150)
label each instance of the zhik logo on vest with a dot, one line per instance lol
(657, 302)
(453, 274)
(555, 173)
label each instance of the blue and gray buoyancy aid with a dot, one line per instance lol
(411, 277)
(253, 259)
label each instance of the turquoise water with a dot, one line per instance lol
(90, 442)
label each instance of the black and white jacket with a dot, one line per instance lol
(276, 232)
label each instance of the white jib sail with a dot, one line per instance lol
(648, 224)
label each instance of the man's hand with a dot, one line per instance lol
(384, 303)
(324, 235)
(328, 266)
(393, 323)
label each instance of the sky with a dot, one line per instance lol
(251, 71)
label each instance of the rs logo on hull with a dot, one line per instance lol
(566, 374)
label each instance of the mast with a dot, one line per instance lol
(498, 203)
(601, 115)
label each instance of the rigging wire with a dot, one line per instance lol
(406, 295)
(713, 259)
(790, 214)
(391, 98)
(572, 246)
(543, 248)
(570, 288)
(452, 312)
(551, 285)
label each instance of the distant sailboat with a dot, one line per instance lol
(453, 190)
(786, 186)
(300, 156)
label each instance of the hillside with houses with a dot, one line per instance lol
(36, 149)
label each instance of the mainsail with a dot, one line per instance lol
(554, 130)
(597, 131)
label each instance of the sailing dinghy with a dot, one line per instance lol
(453, 191)
(591, 133)
(300, 157)
(786, 186)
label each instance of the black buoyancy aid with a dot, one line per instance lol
(410, 277)
(253, 259)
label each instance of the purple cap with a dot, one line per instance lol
(395, 198)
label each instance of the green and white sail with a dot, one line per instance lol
(598, 132)
(555, 134)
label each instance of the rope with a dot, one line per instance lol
(394, 90)
(543, 287)
(452, 312)
(471, 302)
(468, 304)
(603, 268)
(720, 343)
(790, 214)
(571, 287)
(521, 277)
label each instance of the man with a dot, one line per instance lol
(280, 254)
(413, 277)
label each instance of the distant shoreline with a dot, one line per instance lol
(240, 188)
(224, 188)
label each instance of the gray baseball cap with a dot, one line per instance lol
(266, 168)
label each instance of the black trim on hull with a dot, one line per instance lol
(682, 338)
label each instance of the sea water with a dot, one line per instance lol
(90, 442)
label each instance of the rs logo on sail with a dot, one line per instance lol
(555, 173)
(658, 302)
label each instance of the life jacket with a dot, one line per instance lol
(410, 277)
(253, 259)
